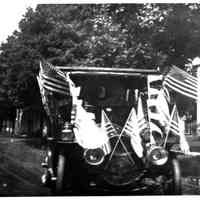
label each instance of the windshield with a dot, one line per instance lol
(116, 96)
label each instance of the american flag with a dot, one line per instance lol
(107, 125)
(43, 96)
(181, 82)
(176, 129)
(174, 122)
(53, 79)
(131, 129)
(131, 125)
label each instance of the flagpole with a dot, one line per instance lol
(119, 139)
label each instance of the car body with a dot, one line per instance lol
(72, 169)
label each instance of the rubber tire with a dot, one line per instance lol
(174, 187)
(61, 171)
(176, 177)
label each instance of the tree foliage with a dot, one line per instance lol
(103, 35)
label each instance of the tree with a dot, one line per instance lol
(106, 35)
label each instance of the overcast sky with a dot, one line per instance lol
(11, 12)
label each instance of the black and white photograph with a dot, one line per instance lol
(99, 99)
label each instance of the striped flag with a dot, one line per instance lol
(175, 128)
(174, 123)
(107, 125)
(142, 122)
(131, 129)
(181, 82)
(43, 96)
(131, 125)
(53, 79)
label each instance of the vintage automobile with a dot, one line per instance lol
(71, 169)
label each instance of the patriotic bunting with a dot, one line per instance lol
(87, 133)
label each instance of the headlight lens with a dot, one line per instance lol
(94, 156)
(158, 155)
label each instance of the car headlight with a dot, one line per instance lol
(94, 156)
(158, 155)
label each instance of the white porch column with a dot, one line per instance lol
(196, 63)
(198, 101)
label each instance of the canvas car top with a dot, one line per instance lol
(107, 71)
(98, 83)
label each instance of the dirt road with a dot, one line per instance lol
(20, 169)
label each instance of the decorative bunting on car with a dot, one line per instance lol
(87, 133)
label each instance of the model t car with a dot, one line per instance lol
(98, 133)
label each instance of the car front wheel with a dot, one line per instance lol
(174, 183)
(61, 174)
